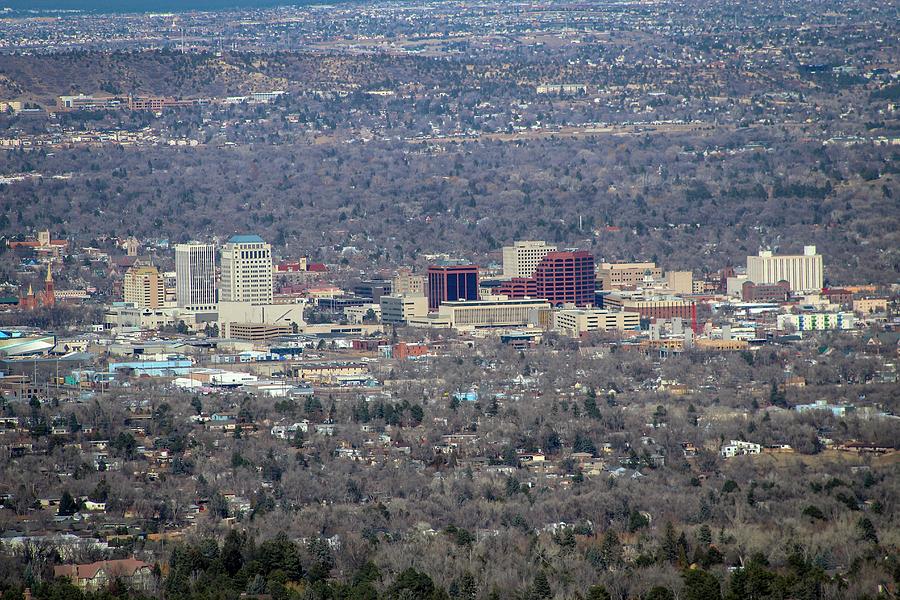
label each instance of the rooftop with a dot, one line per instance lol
(245, 239)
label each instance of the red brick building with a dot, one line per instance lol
(765, 292)
(47, 298)
(402, 350)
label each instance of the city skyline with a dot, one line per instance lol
(429, 300)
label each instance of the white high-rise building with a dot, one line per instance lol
(804, 272)
(522, 258)
(246, 270)
(195, 276)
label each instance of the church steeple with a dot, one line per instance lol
(49, 296)
(28, 301)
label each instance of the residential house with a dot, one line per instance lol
(739, 448)
(137, 574)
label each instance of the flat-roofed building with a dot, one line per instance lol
(804, 272)
(450, 281)
(256, 332)
(373, 288)
(143, 287)
(654, 307)
(83, 102)
(407, 283)
(489, 313)
(816, 321)
(247, 270)
(862, 306)
(370, 312)
(680, 282)
(720, 345)
(326, 371)
(288, 315)
(195, 276)
(578, 321)
(566, 277)
(620, 275)
(400, 309)
(765, 292)
(518, 287)
(522, 258)
(125, 318)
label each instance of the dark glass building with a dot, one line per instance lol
(451, 282)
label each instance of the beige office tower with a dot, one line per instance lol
(195, 276)
(407, 283)
(680, 282)
(144, 287)
(246, 270)
(804, 272)
(522, 258)
(621, 275)
(400, 309)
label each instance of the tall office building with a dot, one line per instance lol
(144, 287)
(406, 283)
(522, 258)
(246, 270)
(195, 276)
(804, 272)
(451, 281)
(566, 278)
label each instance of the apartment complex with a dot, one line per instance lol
(143, 287)
(195, 276)
(867, 306)
(522, 258)
(804, 272)
(816, 321)
(247, 270)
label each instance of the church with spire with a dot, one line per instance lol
(46, 298)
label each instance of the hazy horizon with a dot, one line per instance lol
(144, 6)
